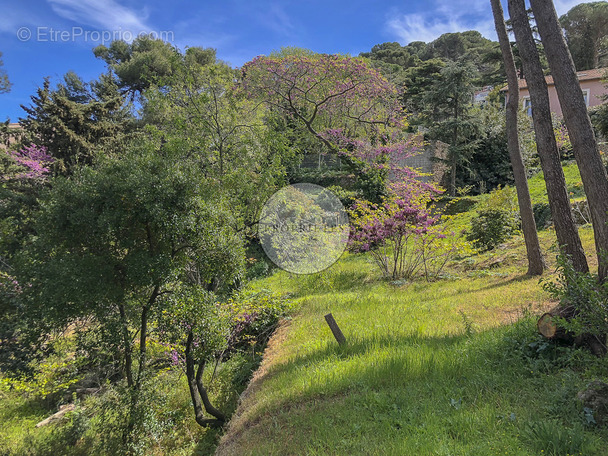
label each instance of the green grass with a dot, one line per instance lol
(452, 367)
(538, 191)
(442, 368)
(170, 427)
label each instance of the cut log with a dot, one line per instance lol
(548, 327)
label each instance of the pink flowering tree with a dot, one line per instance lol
(21, 174)
(30, 163)
(403, 236)
(34, 160)
(349, 107)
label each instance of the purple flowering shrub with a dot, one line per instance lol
(213, 329)
(255, 316)
(403, 236)
(32, 162)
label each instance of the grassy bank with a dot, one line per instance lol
(446, 368)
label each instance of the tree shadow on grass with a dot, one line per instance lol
(357, 346)
(331, 282)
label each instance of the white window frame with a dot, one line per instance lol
(588, 93)
(527, 104)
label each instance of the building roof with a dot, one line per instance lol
(587, 75)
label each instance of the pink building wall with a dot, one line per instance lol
(595, 89)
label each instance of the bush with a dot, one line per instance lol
(346, 197)
(458, 205)
(492, 227)
(542, 215)
(255, 316)
(587, 297)
(403, 238)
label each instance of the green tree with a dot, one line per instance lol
(115, 240)
(146, 61)
(579, 126)
(418, 82)
(76, 121)
(201, 114)
(565, 228)
(586, 29)
(5, 84)
(450, 102)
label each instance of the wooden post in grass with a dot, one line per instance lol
(335, 329)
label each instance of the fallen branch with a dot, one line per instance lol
(57, 416)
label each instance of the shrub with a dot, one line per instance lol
(254, 317)
(587, 297)
(346, 197)
(542, 215)
(458, 205)
(403, 237)
(492, 227)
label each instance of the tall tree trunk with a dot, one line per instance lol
(143, 335)
(578, 123)
(198, 393)
(565, 228)
(536, 263)
(126, 338)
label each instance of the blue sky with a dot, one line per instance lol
(50, 37)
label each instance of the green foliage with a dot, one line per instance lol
(492, 227)
(542, 215)
(323, 177)
(450, 119)
(395, 61)
(490, 162)
(76, 121)
(346, 197)
(584, 296)
(255, 316)
(199, 114)
(147, 61)
(5, 84)
(585, 30)
(113, 242)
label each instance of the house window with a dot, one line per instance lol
(586, 96)
(528, 105)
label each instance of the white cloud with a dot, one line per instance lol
(429, 26)
(445, 16)
(103, 14)
(13, 18)
(275, 18)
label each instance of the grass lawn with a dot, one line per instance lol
(447, 368)
(574, 183)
